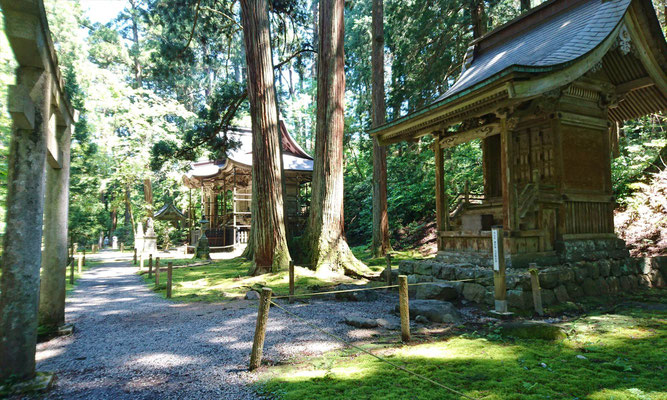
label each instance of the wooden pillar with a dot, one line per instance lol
(441, 208)
(234, 209)
(508, 187)
(499, 279)
(260, 328)
(404, 307)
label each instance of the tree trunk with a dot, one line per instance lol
(128, 206)
(269, 238)
(380, 245)
(477, 18)
(148, 197)
(135, 47)
(525, 5)
(326, 244)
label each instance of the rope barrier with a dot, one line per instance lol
(427, 379)
(362, 289)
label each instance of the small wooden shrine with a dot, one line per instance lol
(226, 191)
(546, 94)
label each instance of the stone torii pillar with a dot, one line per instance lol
(42, 119)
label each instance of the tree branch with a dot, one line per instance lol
(192, 32)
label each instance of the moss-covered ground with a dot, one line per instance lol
(228, 279)
(613, 352)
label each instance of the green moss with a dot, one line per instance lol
(622, 361)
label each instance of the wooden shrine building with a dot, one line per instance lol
(546, 94)
(226, 191)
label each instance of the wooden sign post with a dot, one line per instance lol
(404, 307)
(135, 256)
(499, 280)
(71, 271)
(157, 271)
(291, 280)
(150, 266)
(84, 256)
(169, 268)
(537, 291)
(260, 328)
(388, 270)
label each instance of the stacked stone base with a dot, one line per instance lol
(559, 283)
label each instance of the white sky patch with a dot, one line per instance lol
(103, 11)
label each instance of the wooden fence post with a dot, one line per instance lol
(260, 328)
(84, 256)
(157, 271)
(537, 291)
(388, 270)
(404, 307)
(122, 247)
(291, 280)
(169, 267)
(71, 271)
(150, 266)
(135, 256)
(499, 280)
(80, 263)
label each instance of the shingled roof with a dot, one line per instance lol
(544, 49)
(543, 45)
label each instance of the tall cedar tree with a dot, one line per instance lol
(269, 239)
(327, 247)
(380, 245)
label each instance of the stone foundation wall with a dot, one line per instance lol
(559, 283)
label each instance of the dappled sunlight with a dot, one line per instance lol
(45, 354)
(165, 360)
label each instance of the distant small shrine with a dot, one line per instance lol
(170, 213)
(546, 94)
(226, 191)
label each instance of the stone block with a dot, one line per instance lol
(581, 272)
(565, 275)
(366, 295)
(548, 297)
(561, 294)
(626, 283)
(406, 267)
(489, 298)
(548, 278)
(626, 267)
(484, 276)
(613, 283)
(447, 272)
(465, 273)
(361, 322)
(519, 299)
(474, 292)
(634, 282)
(424, 268)
(593, 270)
(532, 330)
(603, 286)
(591, 287)
(434, 310)
(615, 268)
(438, 291)
(644, 281)
(657, 279)
(604, 268)
(574, 290)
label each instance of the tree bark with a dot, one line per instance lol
(525, 5)
(380, 245)
(269, 238)
(135, 49)
(477, 18)
(326, 245)
(148, 197)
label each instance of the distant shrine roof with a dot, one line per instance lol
(294, 157)
(545, 49)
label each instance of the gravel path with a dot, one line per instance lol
(130, 343)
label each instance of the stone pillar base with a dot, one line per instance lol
(40, 383)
